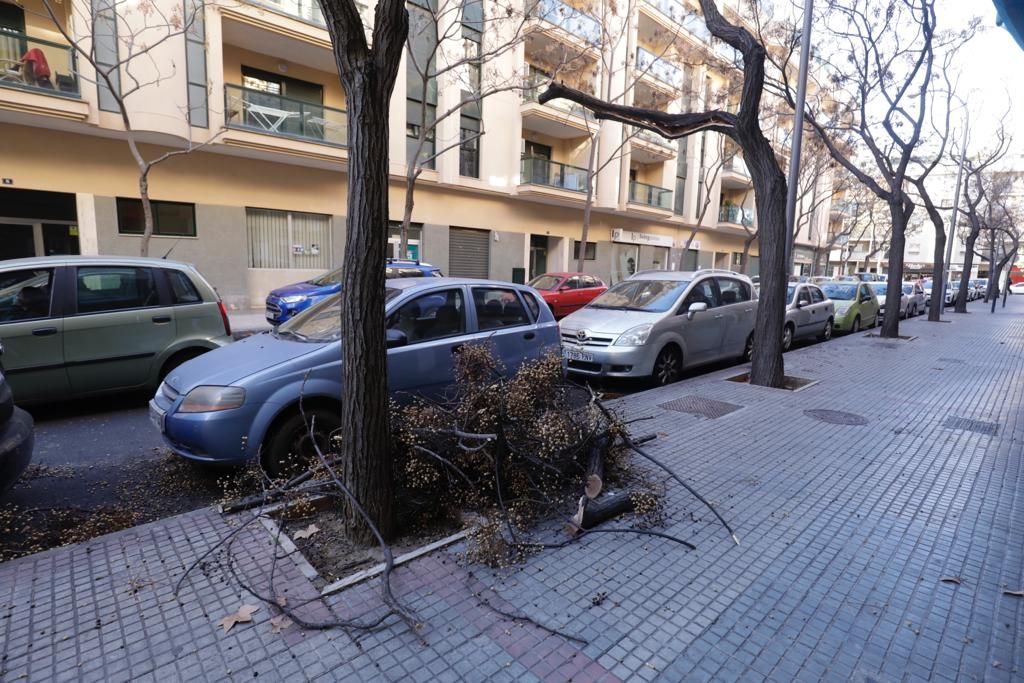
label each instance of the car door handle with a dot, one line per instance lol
(747, 310)
(719, 316)
(161, 318)
(44, 331)
(529, 335)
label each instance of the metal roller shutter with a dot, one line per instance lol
(468, 253)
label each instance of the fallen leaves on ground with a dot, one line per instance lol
(279, 623)
(307, 532)
(242, 616)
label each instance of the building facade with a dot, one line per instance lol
(261, 201)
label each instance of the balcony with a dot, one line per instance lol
(735, 175)
(679, 15)
(725, 51)
(663, 71)
(650, 195)
(21, 57)
(263, 112)
(573, 21)
(648, 147)
(736, 215)
(537, 171)
(558, 118)
(306, 10)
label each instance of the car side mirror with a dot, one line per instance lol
(695, 308)
(564, 288)
(396, 338)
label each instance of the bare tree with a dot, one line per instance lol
(367, 70)
(769, 182)
(122, 47)
(448, 44)
(880, 61)
(1000, 236)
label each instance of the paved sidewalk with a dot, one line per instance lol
(847, 531)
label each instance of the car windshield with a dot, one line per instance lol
(545, 282)
(879, 288)
(656, 296)
(322, 322)
(329, 278)
(908, 289)
(839, 291)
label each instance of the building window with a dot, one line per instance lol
(472, 111)
(421, 85)
(680, 176)
(589, 254)
(288, 239)
(104, 22)
(195, 64)
(170, 219)
(414, 249)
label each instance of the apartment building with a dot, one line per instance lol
(262, 201)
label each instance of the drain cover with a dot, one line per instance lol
(836, 417)
(976, 426)
(698, 405)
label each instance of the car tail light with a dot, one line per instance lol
(224, 317)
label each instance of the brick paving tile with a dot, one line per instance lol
(846, 531)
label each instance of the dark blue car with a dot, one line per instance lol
(285, 302)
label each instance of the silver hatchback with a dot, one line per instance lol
(657, 323)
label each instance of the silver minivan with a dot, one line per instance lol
(657, 323)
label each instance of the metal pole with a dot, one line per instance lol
(798, 129)
(947, 273)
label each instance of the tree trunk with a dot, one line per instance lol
(746, 253)
(410, 188)
(900, 213)
(938, 258)
(365, 433)
(147, 213)
(961, 295)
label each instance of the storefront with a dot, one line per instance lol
(36, 223)
(636, 251)
(803, 261)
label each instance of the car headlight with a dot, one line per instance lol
(294, 299)
(210, 399)
(841, 310)
(636, 336)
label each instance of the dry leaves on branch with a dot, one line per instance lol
(279, 623)
(242, 616)
(1016, 594)
(951, 579)
(307, 532)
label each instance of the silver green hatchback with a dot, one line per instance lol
(74, 326)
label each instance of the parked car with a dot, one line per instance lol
(950, 293)
(567, 292)
(809, 313)
(856, 306)
(881, 289)
(1017, 288)
(980, 286)
(16, 436)
(818, 279)
(971, 293)
(865, 276)
(82, 325)
(915, 291)
(286, 302)
(243, 400)
(657, 323)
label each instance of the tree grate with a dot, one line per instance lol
(969, 425)
(700, 406)
(836, 417)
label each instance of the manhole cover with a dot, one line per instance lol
(698, 405)
(836, 417)
(954, 361)
(976, 426)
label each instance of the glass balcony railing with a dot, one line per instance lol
(576, 22)
(264, 112)
(651, 136)
(651, 195)
(677, 12)
(534, 86)
(737, 215)
(39, 65)
(735, 164)
(307, 10)
(725, 51)
(537, 171)
(664, 71)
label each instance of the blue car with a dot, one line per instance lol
(285, 302)
(231, 404)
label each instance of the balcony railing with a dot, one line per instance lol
(537, 171)
(39, 65)
(533, 87)
(725, 50)
(576, 22)
(651, 136)
(737, 215)
(735, 164)
(307, 10)
(264, 112)
(662, 70)
(651, 195)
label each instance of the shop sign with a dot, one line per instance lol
(646, 238)
(803, 254)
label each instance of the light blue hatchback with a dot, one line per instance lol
(231, 404)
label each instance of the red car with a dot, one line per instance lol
(567, 292)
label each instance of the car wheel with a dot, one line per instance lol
(178, 360)
(748, 349)
(826, 334)
(855, 327)
(668, 366)
(913, 311)
(787, 337)
(291, 448)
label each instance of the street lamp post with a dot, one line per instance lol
(798, 128)
(947, 273)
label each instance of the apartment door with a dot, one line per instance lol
(538, 255)
(469, 253)
(16, 241)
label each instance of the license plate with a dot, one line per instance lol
(575, 354)
(156, 417)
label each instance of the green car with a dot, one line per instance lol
(856, 306)
(74, 326)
